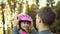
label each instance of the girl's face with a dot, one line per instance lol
(25, 25)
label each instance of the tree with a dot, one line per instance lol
(57, 8)
(51, 2)
(56, 24)
(32, 12)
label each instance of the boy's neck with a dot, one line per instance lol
(42, 28)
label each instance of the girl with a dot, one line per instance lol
(24, 23)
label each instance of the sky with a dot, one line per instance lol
(43, 3)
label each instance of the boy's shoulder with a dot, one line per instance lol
(45, 32)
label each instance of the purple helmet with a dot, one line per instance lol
(24, 17)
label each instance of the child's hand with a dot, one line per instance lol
(32, 27)
(15, 20)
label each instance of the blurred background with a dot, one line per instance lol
(10, 8)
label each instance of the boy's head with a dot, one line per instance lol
(46, 15)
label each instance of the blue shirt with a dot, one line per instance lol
(45, 32)
(16, 31)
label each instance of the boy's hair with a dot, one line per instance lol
(47, 14)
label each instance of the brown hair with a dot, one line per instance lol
(47, 14)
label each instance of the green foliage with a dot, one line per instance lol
(32, 12)
(57, 8)
(56, 24)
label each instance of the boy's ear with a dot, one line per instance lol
(40, 20)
